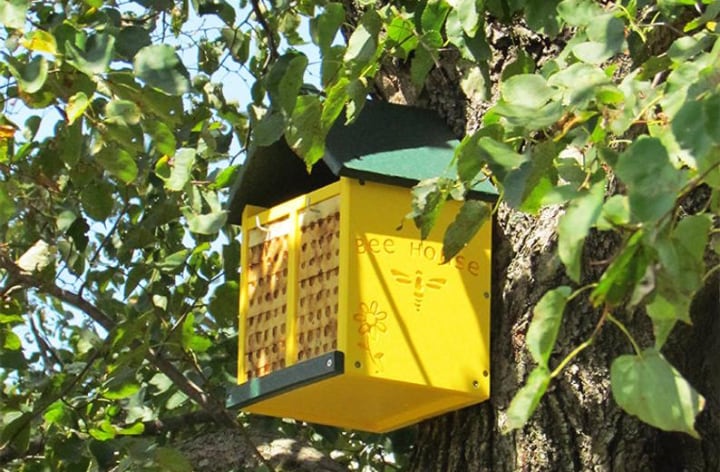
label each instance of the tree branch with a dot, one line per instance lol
(267, 29)
(214, 408)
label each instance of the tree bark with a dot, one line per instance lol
(578, 425)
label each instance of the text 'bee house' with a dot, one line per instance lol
(347, 318)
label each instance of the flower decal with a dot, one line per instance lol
(371, 319)
(371, 322)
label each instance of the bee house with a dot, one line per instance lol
(347, 317)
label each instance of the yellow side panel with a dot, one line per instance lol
(364, 403)
(410, 317)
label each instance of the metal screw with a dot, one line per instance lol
(486, 295)
(357, 364)
(476, 384)
(328, 363)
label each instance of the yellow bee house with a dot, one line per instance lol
(347, 318)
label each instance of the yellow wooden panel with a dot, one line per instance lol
(411, 317)
(364, 403)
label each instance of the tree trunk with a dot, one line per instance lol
(577, 425)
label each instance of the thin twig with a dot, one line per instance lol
(268, 31)
(46, 351)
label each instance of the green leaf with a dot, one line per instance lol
(401, 38)
(226, 177)
(268, 129)
(648, 387)
(324, 27)
(180, 169)
(692, 128)
(426, 55)
(305, 134)
(545, 324)
(472, 46)
(526, 400)
(685, 48)
(337, 96)
(10, 319)
(130, 40)
(542, 17)
(31, 127)
(472, 215)
(162, 137)
(523, 64)
(97, 200)
(13, 13)
(574, 226)
(527, 117)
(474, 83)
(122, 112)
(680, 274)
(224, 303)
(205, 223)
(500, 157)
(172, 460)
(285, 80)
(615, 212)
(119, 163)
(433, 15)
(363, 43)
(7, 205)
(607, 38)
(174, 261)
(579, 83)
(56, 413)
(192, 341)
(429, 197)
(176, 399)
(528, 90)
(105, 433)
(650, 177)
(94, 57)
(10, 340)
(238, 44)
(621, 277)
(17, 431)
(120, 392)
(134, 430)
(526, 186)
(664, 315)
(160, 67)
(467, 12)
(579, 12)
(216, 7)
(31, 76)
(332, 63)
(77, 104)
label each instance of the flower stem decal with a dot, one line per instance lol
(371, 322)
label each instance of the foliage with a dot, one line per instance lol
(117, 145)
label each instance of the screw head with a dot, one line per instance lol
(357, 364)
(328, 363)
(476, 384)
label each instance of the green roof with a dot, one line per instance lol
(388, 143)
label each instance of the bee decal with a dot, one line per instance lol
(419, 283)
